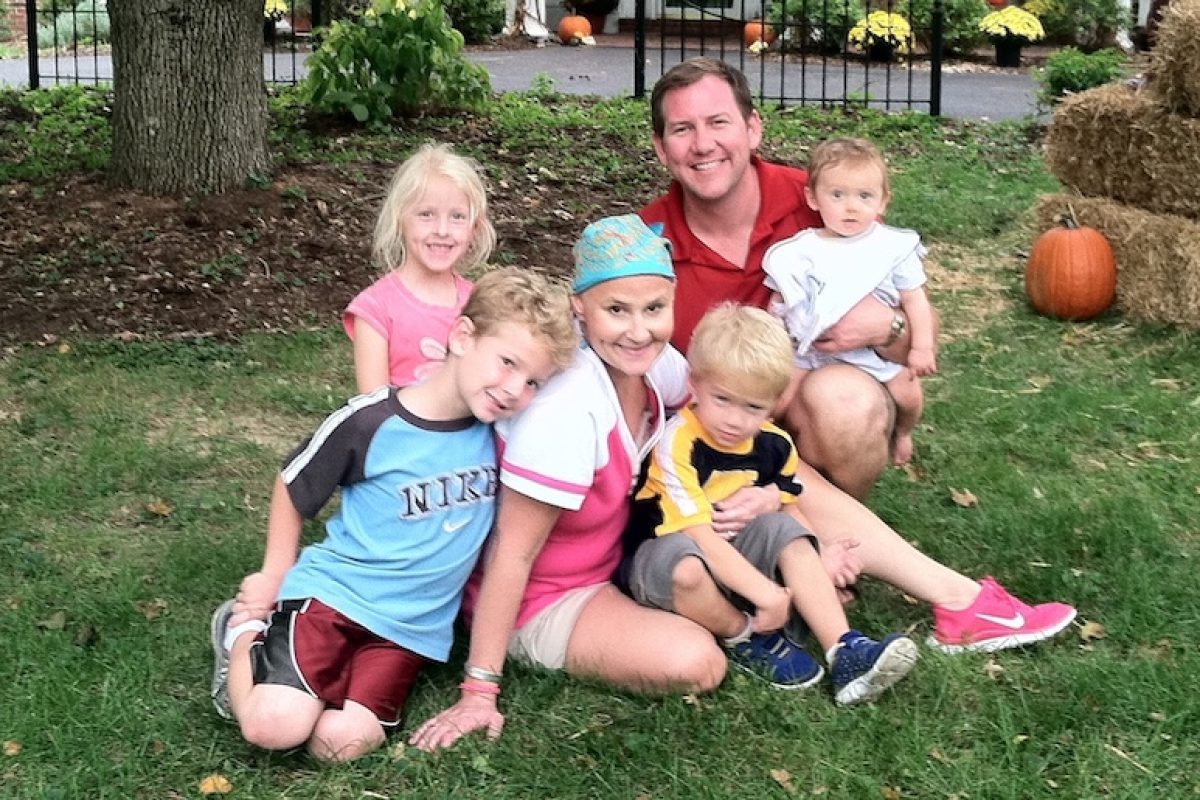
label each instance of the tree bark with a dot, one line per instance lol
(189, 110)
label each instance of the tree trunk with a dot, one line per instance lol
(189, 110)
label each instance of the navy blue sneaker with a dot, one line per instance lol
(773, 658)
(862, 668)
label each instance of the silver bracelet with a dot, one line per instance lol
(481, 674)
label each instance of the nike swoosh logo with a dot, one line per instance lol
(1015, 622)
(454, 527)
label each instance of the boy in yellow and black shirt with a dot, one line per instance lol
(745, 585)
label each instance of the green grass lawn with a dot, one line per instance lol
(135, 491)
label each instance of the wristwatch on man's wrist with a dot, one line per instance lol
(899, 324)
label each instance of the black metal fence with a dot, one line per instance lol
(813, 58)
(67, 41)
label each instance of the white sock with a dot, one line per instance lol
(741, 637)
(232, 634)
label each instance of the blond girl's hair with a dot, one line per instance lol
(743, 347)
(409, 182)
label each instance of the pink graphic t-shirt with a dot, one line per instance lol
(416, 332)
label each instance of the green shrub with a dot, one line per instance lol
(476, 20)
(1087, 24)
(960, 26)
(397, 58)
(1071, 70)
(815, 25)
(86, 23)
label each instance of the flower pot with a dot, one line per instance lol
(268, 30)
(597, 22)
(1008, 52)
(881, 51)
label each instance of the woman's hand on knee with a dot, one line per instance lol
(471, 713)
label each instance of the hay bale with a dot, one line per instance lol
(1158, 255)
(1114, 141)
(1175, 60)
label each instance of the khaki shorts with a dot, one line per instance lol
(542, 641)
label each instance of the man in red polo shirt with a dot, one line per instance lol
(724, 208)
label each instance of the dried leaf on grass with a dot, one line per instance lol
(963, 498)
(784, 779)
(1090, 631)
(55, 622)
(12, 748)
(160, 508)
(215, 784)
(152, 609)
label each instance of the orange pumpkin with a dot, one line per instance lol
(573, 28)
(1072, 273)
(757, 31)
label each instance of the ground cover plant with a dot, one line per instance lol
(161, 355)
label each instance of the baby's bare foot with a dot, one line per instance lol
(902, 449)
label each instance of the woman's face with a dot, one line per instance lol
(628, 321)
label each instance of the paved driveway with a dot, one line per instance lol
(608, 71)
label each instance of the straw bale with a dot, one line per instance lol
(1175, 60)
(1114, 141)
(1158, 255)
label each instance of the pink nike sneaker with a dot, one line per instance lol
(996, 621)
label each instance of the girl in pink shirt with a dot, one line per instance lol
(433, 226)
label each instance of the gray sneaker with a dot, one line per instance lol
(220, 679)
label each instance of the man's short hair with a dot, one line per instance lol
(693, 70)
(744, 347)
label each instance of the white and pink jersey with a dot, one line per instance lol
(572, 449)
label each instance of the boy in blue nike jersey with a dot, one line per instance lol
(322, 647)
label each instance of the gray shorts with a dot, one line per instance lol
(760, 542)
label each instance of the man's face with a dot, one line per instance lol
(706, 142)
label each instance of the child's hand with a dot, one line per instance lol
(772, 611)
(736, 511)
(255, 598)
(922, 361)
(842, 563)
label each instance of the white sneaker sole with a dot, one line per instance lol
(787, 687)
(997, 643)
(219, 689)
(896, 661)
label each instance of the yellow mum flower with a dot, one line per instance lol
(1012, 23)
(882, 27)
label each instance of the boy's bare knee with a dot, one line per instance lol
(272, 730)
(689, 575)
(344, 735)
